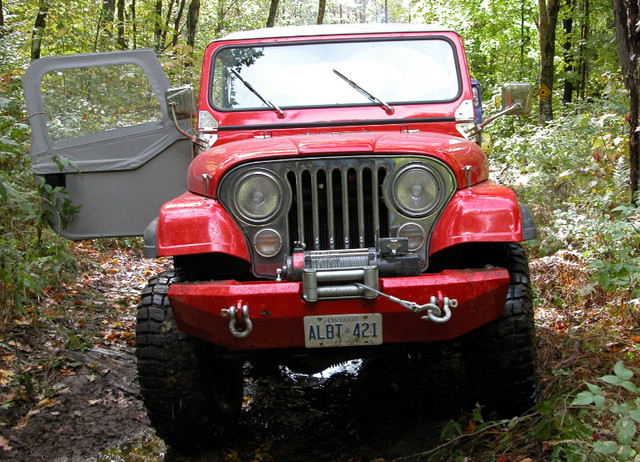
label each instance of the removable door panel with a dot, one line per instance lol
(100, 127)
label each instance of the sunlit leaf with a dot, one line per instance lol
(605, 447)
(593, 388)
(635, 414)
(612, 379)
(621, 371)
(583, 398)
(625, 430)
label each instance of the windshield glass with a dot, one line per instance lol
(302, 75)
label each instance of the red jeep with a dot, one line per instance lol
(337, 205)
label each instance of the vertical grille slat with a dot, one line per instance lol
(330, 212)
(345, 208)
(337, 205)
(315, 239)
(376, 206)
(300, 204)
(361, 211)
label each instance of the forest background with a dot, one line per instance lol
(574, 162)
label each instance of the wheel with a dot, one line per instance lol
(192, 392)
(500, 357)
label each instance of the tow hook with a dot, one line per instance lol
(435, 313)
(239, 316)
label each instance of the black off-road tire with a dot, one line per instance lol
(192, 392)
(500, 357)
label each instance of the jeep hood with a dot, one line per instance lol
(465, 158)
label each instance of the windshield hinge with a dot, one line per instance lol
(262, 136)
(405, 129)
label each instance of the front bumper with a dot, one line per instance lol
(277, 309)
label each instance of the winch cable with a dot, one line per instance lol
(434, 311)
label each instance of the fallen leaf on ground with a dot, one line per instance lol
(4, 444)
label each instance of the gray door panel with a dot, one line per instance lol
(106, 114)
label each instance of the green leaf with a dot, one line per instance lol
(543, 430)
(612, 379)
(625, 452)
(605, 447)
(625, 430)
(63, 163)
(620, 409)
(583, 398)
(621, 371)
(593, 388)
(635, 414)
(629, 386)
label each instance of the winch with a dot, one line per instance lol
(331, 274)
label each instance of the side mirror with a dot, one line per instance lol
(516, 100)
(181, 102)
(518, 97)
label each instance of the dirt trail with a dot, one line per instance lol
(84, 402)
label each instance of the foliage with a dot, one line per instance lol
(599, 423)
(574, 175)
(621, 270)
(31, 256)
(620, 404)
(57, 207)
(500, 37)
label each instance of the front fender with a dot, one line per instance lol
(192, 224)
(486, 212)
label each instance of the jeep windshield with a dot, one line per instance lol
(401, 71)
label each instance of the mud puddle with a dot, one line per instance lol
(382, 410)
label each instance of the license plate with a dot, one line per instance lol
(342, 330)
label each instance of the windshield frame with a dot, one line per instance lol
(367, 104)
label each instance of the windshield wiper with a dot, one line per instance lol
(280, 112)
(370, 97)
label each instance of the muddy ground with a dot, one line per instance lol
(84, 402)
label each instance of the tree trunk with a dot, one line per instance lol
(165, 28)
(176, 24)
(108, 12)
(567, 25)
(38, 29)
(273, 10)
(583, 69)
(322, 6)
(627, 15)
(220, 19)
(193, 14)
(522, 35)
(1, 21)
(157, 20)
(134, 25)
(122, 42)
(547, 21)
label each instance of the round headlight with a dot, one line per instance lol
(258, 196)
(267, 242)
(416, 190)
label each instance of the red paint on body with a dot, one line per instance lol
(276, 309)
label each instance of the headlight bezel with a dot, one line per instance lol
(435, 183)
(278, 193)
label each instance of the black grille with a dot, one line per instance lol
(337, 206)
